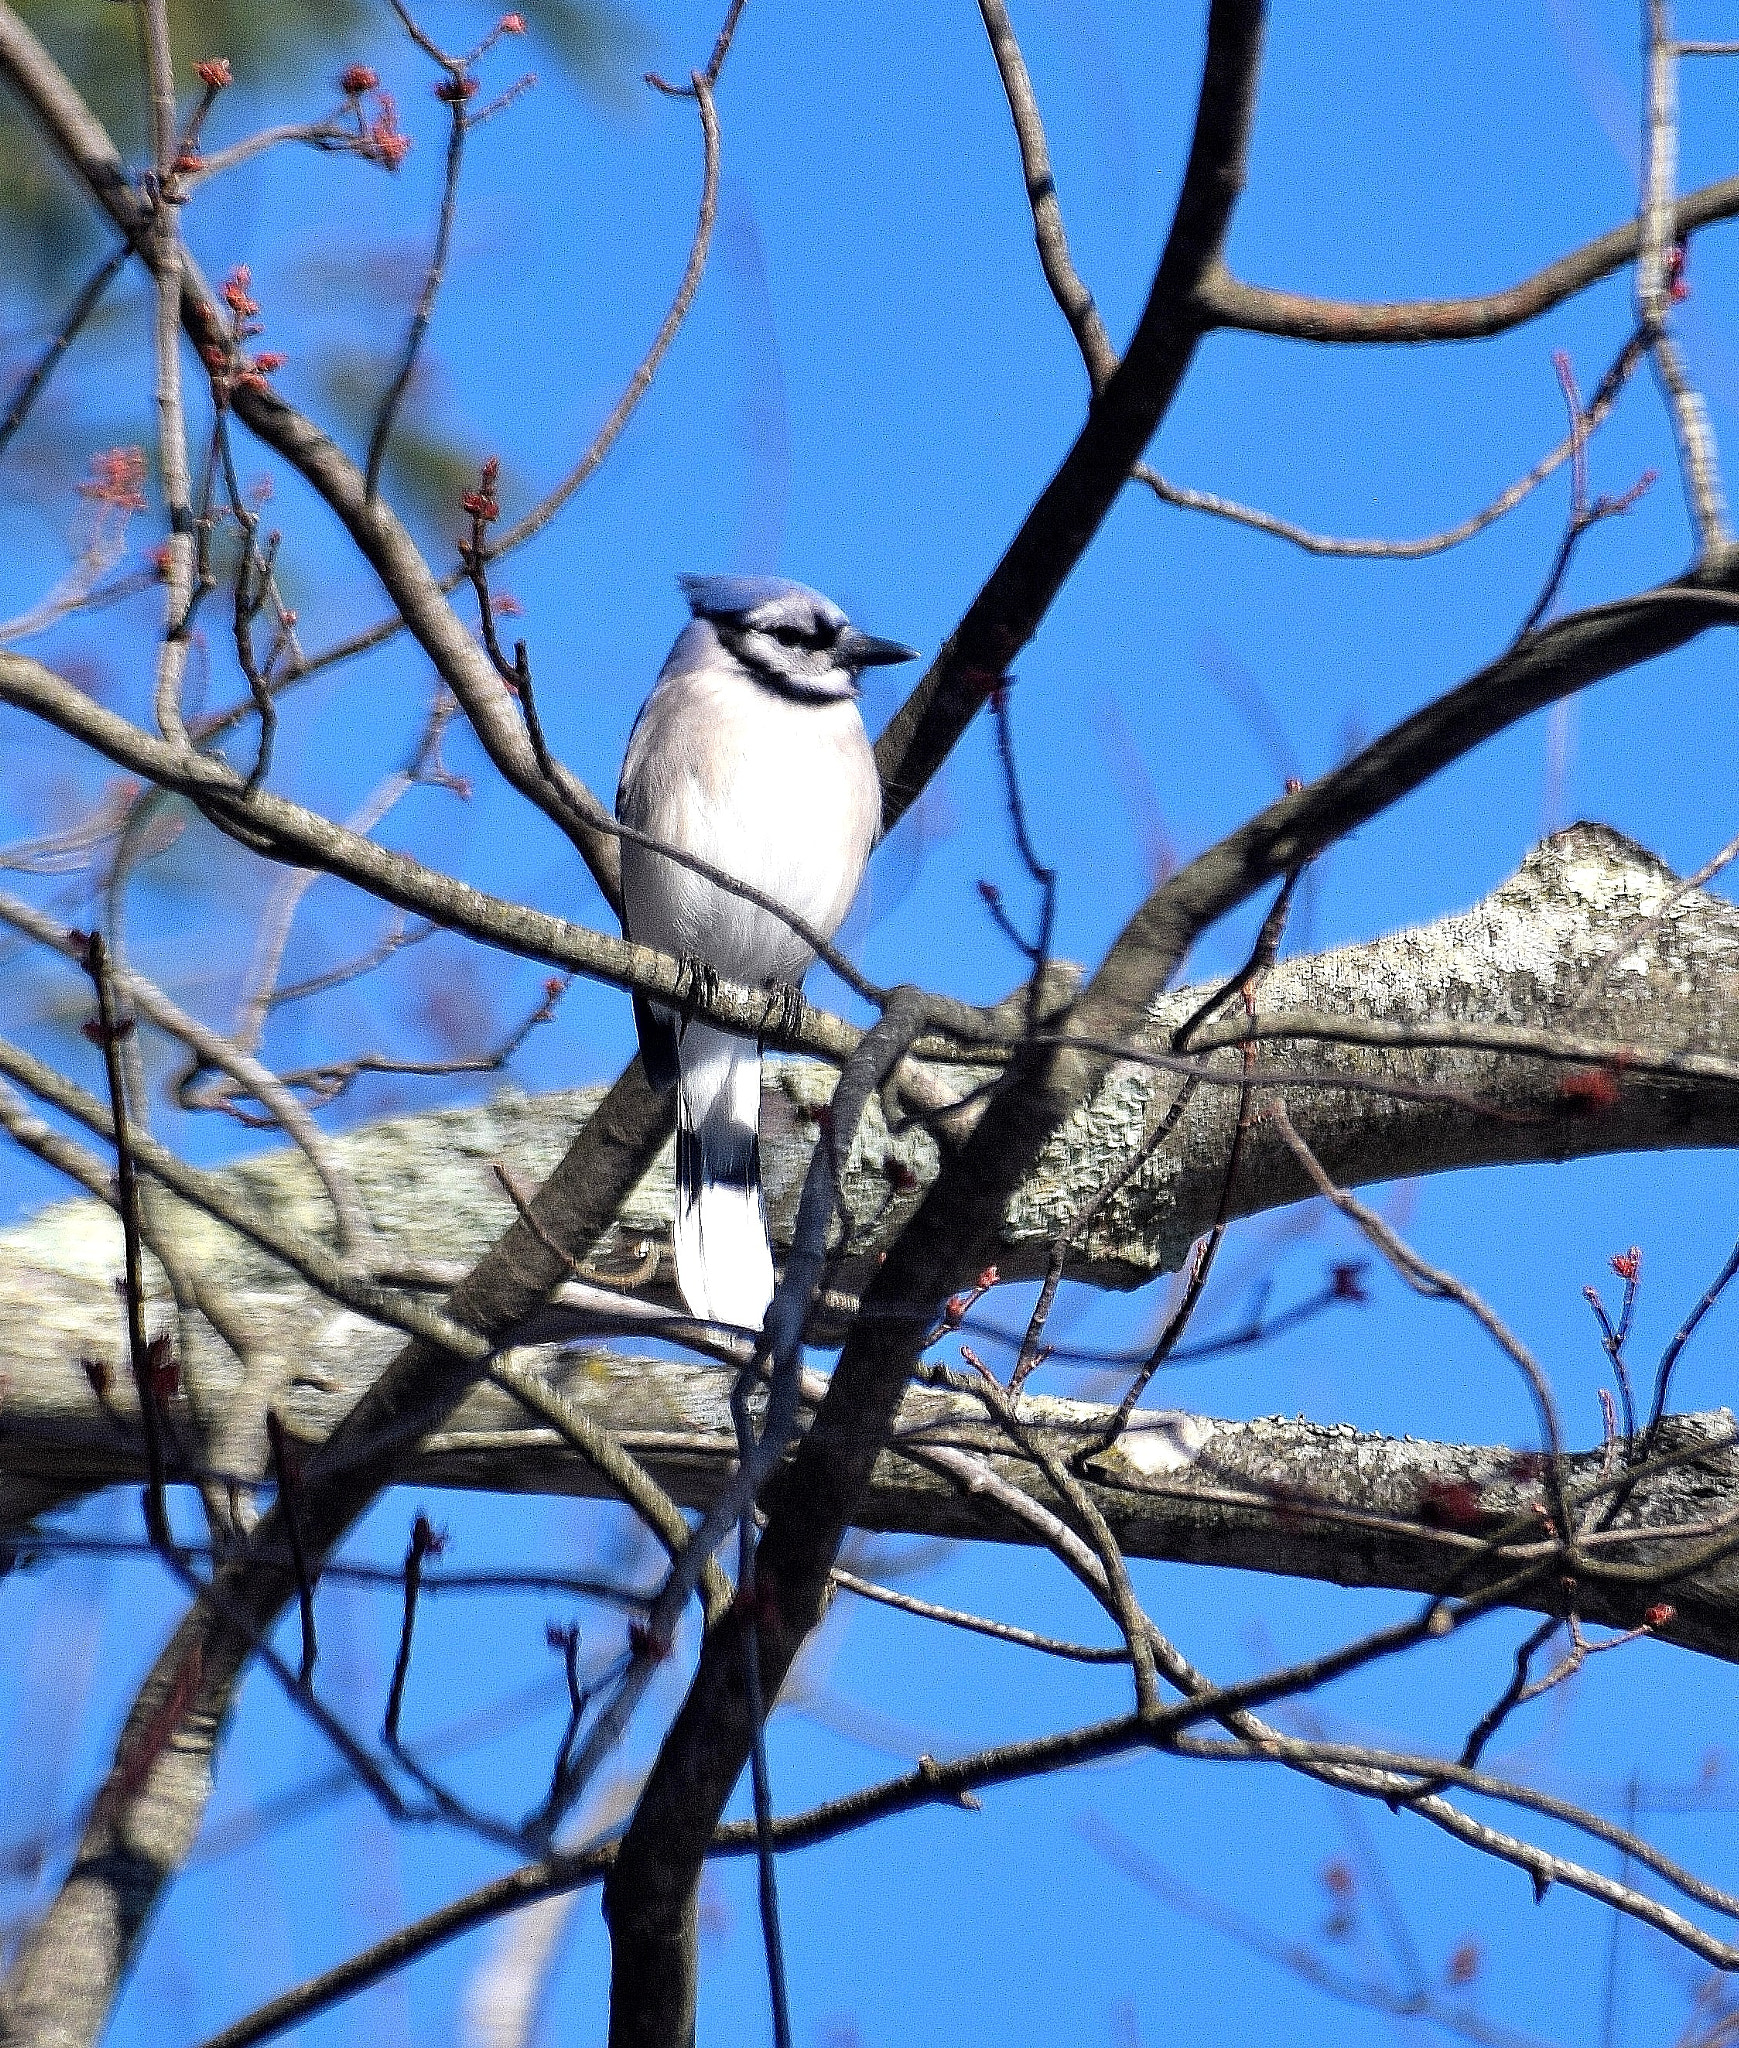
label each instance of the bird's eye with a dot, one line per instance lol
(815, 639)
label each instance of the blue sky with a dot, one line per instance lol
(870, 391)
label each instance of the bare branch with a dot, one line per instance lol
(110, 1026)
(1431, 544)
(144, 1822)
(453, 90)
(1226, 301)
(148, 1001)
(1071, 295)
(301, 838)
(977, 1624)
(1069, 511)
(81, 309)
(1432, 1282)
(1658, 277)
(78, 138)
(327, 135)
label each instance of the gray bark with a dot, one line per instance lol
(1276, 1495)
(1279, 1494)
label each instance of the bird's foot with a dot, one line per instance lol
(696, 981)
(785, 1010)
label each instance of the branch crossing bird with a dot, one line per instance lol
(749, 754)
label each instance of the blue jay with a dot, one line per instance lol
(750, 754)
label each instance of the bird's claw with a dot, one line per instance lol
(696, 981)
(785, 1010)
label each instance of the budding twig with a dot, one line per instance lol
(425, 1542)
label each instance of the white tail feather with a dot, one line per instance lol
(723, 1263)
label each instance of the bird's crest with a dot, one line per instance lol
(760, 601)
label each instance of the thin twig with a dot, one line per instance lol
(443, 1805)
(1083, 1514)
(1430, 544)
(39, 1543)
(766, 1873)
(979, 1624)
(81, 309)
(1262, 955)
(1502, 1707)
(1583, 514)
(567, 1641)
(1628, 1266)
(289, 1480)
(1227, 301)
(164, 254)
(110, 1027)
(1670, 1357)
(424, 1543)
(453, 91)
(1344, 1284)
(326, 136)
(255, 585)
(331, 1078)
(1037, 950)
(400, 933)
(722, 42)
(1429, 1280)
(1072, 296)
(607, 435)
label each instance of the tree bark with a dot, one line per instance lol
(1278, 1495)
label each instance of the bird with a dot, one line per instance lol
(750, 754)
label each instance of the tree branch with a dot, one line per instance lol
(649, 1896)
(1226, 301)
(64, 1976)
(1120, 422)
(297, 837)
(82, 144)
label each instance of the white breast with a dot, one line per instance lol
(781, 793)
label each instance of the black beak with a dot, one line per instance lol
(855, 650)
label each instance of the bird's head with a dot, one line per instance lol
(787, 636)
